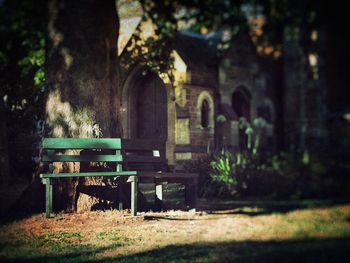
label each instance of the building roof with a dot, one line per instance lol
(197, 49)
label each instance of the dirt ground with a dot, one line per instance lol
(115, 234)
(219, 231)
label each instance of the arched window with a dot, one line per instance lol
(205, 114)
(241, 105)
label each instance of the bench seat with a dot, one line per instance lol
(147, 157)
(88, 174)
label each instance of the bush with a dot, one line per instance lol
(206, 186)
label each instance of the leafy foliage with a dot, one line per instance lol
(206, 185)
(224, 170)
(253, 172)
(288, 175)
(168, 17)
(22, 56)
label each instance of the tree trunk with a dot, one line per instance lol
(4, 153)
(82, 82)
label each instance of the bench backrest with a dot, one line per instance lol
(108, 149)
(144, 155)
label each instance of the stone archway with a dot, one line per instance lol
(241, 104)
(151, 109)
(145, 106)
(129, 115)
(203, 97)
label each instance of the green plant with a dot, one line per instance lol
(254, 132)
(233, 171)
(224, 170)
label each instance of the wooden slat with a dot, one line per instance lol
(161, 174)
(177, 180)
(87, 174)
(144, 166)
(79, 143)
(141, 145)
(51, 157)
(142, 159)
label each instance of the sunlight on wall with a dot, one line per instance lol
(179, 73)
(147, 29)
(182, 131)
(180, 77)
(126, 29)
(68, 122)
(179, 64)
(130, 13)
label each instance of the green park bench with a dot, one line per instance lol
(54, 150)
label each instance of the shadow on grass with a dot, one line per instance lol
(83, 254)
(265, 207)
(332, 250)
(312, 250)
(157, 218)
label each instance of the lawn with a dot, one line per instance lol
(247, 233)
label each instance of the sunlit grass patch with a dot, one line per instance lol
(244, 234)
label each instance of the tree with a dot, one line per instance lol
(82, 77)
(4, 157)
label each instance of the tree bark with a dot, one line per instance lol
(82, 82)
(4, 153)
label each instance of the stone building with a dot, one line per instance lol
(303, 97)
(199, 111)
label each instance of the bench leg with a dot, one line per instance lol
(134, 195)
(191, 196)
(158, 198)
(120, 196)
(48, 197)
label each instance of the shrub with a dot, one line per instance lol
(206, 186)
(223, 171)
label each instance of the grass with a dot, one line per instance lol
(244, 234)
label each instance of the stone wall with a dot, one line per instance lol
(305, 113)
(193, 140)
(203, 76)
